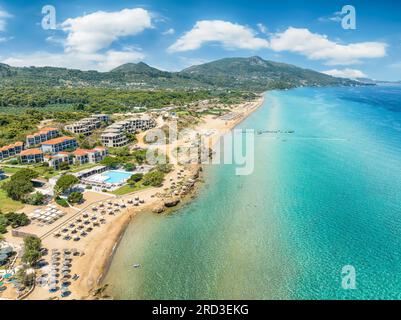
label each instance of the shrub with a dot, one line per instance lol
(32, 247)
(3, 229)
(36, 199)
(165, 168)
(65, 182)
(75, 197)
(135, 178)
(153, 178)
(64, 166)
(17, 219)
(129, 167)
(62, 202)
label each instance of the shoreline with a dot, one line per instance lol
(94, 265)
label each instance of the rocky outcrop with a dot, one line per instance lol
(170, 203)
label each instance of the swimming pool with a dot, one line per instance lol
(114, 176)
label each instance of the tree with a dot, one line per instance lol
(65, 183)
(20, 184)
(17, 219)
(75, 197)
(36, 199)
(140, 156)
(129, 167)
(25, 174)
(32, 245)
(153, 178)
(3, 229)
(16, 189)
(165, 168)
(111, 162)
(132, 181)
(64, 166)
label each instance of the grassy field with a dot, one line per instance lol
(128, 189)
(7, 204)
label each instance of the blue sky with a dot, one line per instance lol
(172, 35)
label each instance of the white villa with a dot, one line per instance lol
(87, 125)
(115, 135)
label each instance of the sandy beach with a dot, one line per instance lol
(96, 250)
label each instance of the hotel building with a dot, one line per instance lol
(115, 135)
(41, 136)
(31, 156)
(59, 144)
(82, 156)
(56, 160)
(88, 125)
(11, 150)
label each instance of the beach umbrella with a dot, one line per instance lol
(6, 250)
(3, 258)
(52, 288)
(52, 280)
(65, 273)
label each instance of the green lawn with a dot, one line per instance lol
(7, 204)
(75, 169)
(128, 189)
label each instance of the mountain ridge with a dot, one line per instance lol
(253, 73)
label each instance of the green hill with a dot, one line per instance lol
(252, 73)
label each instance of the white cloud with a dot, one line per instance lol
(168, 32)
(319, 47)
(346, 73)
(299, 40)
(98, 30)
(262, 28)
(230, 35)
(88, 40)
(4, 15)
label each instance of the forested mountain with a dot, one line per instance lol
(254, 74)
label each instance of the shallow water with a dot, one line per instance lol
(327, 196)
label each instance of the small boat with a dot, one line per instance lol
(136, 266)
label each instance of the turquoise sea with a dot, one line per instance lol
(326, 196)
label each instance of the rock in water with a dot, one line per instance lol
(171, 202)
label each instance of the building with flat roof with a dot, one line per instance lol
(87, 125)
(114, 139)
(41, 136)
(115, 135)
(31, 156)
(59, 144)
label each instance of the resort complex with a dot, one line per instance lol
(81, 179)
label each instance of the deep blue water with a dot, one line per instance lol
(326, 196)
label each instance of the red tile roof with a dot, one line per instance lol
(31, 152)
(81, 152)
(57, 140)
(11, 146)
